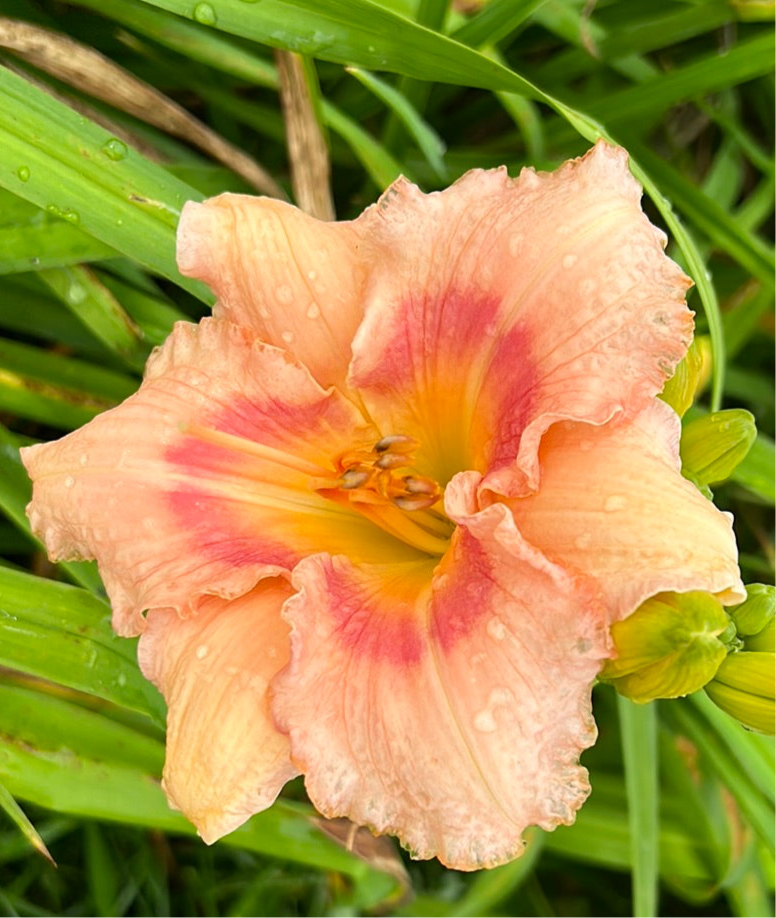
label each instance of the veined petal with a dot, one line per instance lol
(552, 290)
(225, 758)
(612, 503)
(449, 712)
(200, 482)
(294, 280)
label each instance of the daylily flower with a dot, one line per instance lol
(374, 518)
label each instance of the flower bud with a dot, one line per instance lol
(690, 376)
(713, 445)
(670, 646)
(764, 641)
(744, 688)
(757, 611)
(753, 10)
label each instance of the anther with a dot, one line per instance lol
(393, 461)
(395, 442)
(353, 478)
(380, 483)
(415, 501)
(417, 485)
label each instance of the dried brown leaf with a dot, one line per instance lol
(376, 850)
(94, 74)
(307, 151)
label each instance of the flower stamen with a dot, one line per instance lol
(382, 485)
(370, 476)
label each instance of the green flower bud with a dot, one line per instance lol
(744, 688)
(712, 446)
(764, 641)
(757, 611)
(669, 647)
(753, 10)
(690, 376)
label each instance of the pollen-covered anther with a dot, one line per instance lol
(396, 443)
(355, 478)
(369, 476)
(420, 493)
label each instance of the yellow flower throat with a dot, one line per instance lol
(380, 483)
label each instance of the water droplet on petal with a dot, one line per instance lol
(23, 174)
(84, 458)
(312, 275)
(285, 294)
(569, 261)
(496, 629)
(615, 502)
(204, 13)
(201, 652)
(583, 540)
(69, 481)
(287, 336)
(485, 722)
(500, 695)
(313, 311)
(115, 149)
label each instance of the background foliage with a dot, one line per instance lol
(94, 168)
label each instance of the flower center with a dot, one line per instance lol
(382, 484)
(375, 476)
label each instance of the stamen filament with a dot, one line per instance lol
(399, 524)
(433, 522)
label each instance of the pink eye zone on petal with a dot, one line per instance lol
(448, 371)
(449, 707)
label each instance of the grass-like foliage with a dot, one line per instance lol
(109, 122)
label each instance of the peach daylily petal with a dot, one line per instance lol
(171, 493)
(225, 758)
(415, 626)
(294, 280)
(613, 504)
(552, 290)
(450, 713)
